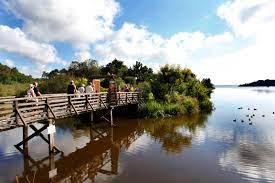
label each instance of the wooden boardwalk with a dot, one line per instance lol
(18, 112)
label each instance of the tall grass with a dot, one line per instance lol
(17, 89)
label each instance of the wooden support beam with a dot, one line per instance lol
(48, 107)
(32, 135)
(44, 138)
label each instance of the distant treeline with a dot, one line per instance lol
(12, 75)
(266, 83)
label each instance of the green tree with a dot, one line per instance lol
(115, 67)
(141, 72)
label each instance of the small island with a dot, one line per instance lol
(265, 83)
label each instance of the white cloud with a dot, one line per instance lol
(83, 55)
(16, 41)
(244, 55)
(9, 63)
(249, 18)
(79, 22)
(131, 43)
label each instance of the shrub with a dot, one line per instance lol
(206, 105)
(152, 110)
(145, 88)
(191, 105)
(17, 89)
(172, 109)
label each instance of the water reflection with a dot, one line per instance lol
(175, 133)
(100, 155)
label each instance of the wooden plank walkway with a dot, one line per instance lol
(17, 112)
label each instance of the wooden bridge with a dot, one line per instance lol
(23, 112)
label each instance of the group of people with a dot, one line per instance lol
(82, 89)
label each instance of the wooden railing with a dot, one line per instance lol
(22, 111)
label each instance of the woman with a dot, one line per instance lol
(31, 94)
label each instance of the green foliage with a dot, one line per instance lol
(140, 72)
(57, 84)
(130, 80)
(16, 89)
(172, 109)
(12, 75)
(191, 105)
(120, 83)
(206, 105)
(145, 88)
(115, 67)
(152, 109)
(209, 85)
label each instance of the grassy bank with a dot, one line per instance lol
(189, 105)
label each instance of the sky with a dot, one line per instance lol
(229, 41)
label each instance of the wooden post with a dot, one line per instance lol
(69, 103)
(91, 116)
(25, 144)
(51, 131)
(111, 116)
(126, 98)
(16, 113)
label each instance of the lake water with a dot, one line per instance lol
(209, 148)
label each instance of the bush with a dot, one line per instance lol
(206, 105)
(172, 109)
(191, 105)
(145, 88)
(17, 89)
(152, 110)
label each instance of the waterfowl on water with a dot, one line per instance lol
(234, 120)
(240, 108)
(263, 115)
(253, 115)
(248, 109)
(242, 121)
(247, 115)
(255, 109)
(250, 123)
(273, 113)
(249, 119)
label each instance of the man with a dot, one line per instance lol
(36, 89)
(71, 88)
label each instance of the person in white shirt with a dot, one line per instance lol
(81, 89)
(90, 88)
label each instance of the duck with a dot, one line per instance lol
(234, 120)
(273, 113)
(248, 109)
(242, 121)
(247, 115)
(250, 123)
(263, 116)
(255, 109)
(249, 119)
(240, 108)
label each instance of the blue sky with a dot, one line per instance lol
(214, 38)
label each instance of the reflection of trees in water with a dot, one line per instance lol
(166, 131)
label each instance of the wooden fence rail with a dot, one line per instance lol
(15, 112)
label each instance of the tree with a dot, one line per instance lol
(115, 67)
(141, 72)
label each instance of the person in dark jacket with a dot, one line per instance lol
(36, 89)
(71, 88)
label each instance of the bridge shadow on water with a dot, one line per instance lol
(100, 156)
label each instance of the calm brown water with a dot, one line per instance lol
(210, 148)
